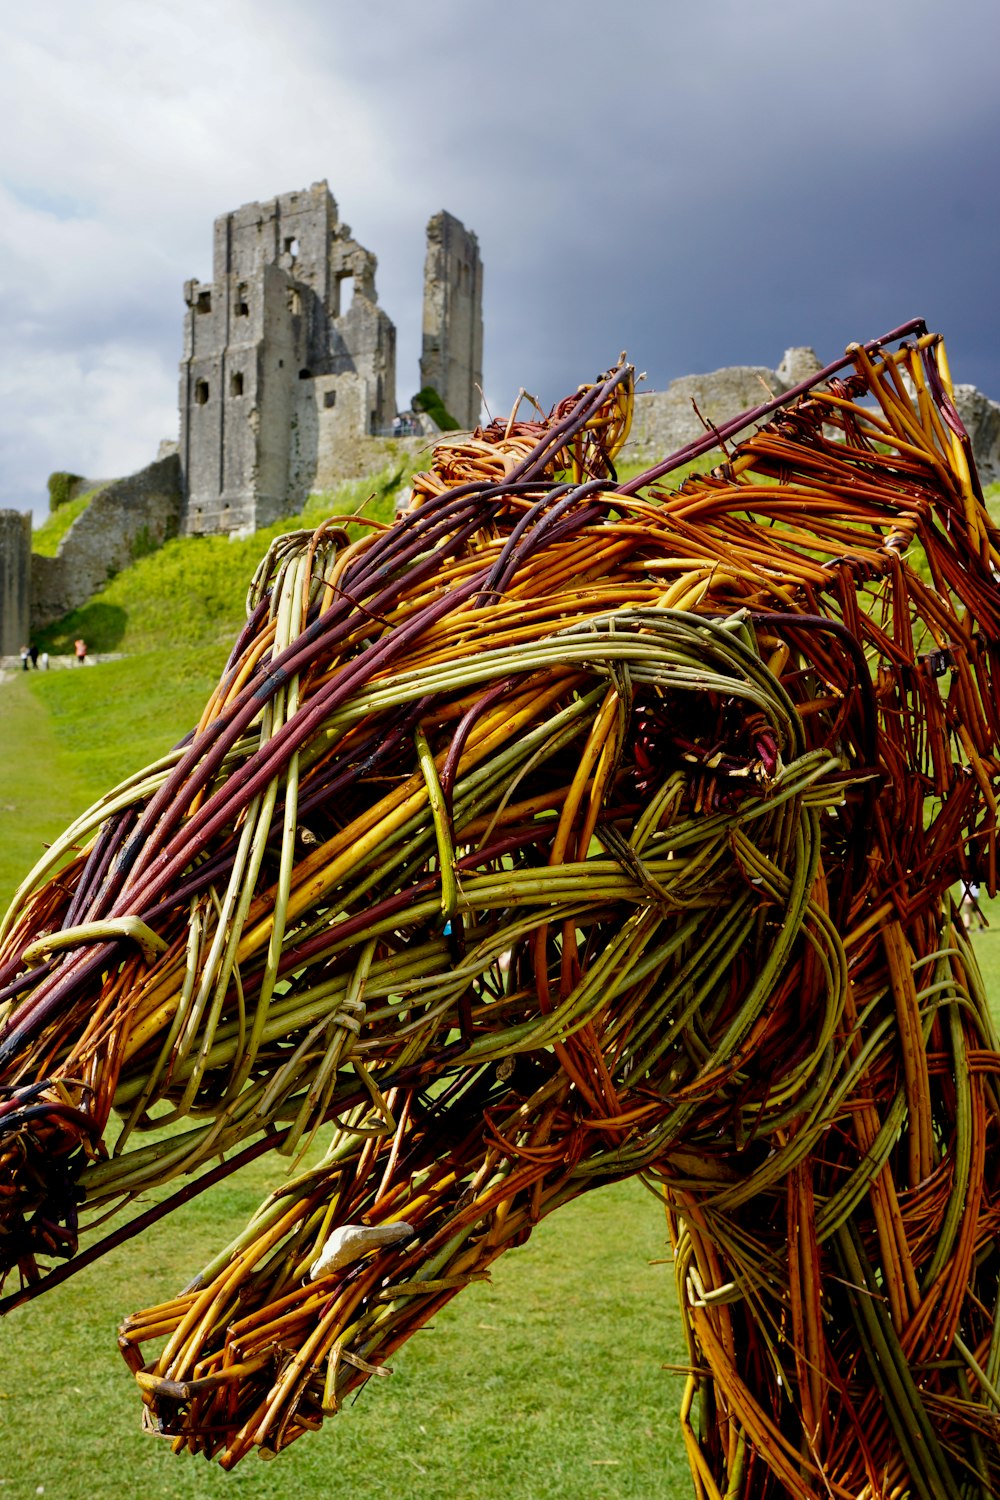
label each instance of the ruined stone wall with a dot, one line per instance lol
(292, 300)
(293, 231)
(452, 354)
(363, 345)
(15, 580)
(665, 421)
(331, 411)
(125, 520)
(52, 591)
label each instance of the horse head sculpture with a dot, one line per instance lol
(566, 830)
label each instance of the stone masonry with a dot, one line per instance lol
(15, 580)
(124, 520)
(277, 349)
(981, 419)
(452, 353)
(665, 421)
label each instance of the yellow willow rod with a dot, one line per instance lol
(637, 647)
(289, 622)
(442, 831)
(321, 872)
(899, 414)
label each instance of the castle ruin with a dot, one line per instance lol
(289, 359)
(452, 351)
(288, 380)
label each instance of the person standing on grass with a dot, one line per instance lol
(80, 647)
(24, 658)
(33, 653)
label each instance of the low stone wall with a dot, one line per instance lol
(665, 421)
(11, 664)
(124, 521)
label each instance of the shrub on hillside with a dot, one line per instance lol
(428, 400)
(60, 486)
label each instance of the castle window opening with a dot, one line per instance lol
(292, 247)
(236, 383)
(329, 398)
(242, 305)
(204, 303)
(305, 375)
(295, 303)
(201, 392)
(345, 293)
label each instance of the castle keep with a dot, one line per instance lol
(288, 358)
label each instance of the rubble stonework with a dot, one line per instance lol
(15, 580)
(666, 421)
(452, 350)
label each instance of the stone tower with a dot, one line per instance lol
(280, 360)
(452, 357)
(15, 580)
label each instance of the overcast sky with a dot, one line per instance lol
(700, 182)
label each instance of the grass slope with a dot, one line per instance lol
(174, 615)
(192, 591)
(45, 539)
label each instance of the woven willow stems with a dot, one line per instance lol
(564, 831)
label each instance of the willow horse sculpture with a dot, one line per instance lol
(568, 829)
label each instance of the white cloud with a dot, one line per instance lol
(100, 417)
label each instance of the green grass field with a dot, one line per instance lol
(549, 1383)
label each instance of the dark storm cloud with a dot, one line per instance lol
(701, 185)
(706, 184)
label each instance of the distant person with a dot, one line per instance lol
(24, 658)
(80, 648)
(45, 661)
(33, 653)
(970, 908)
